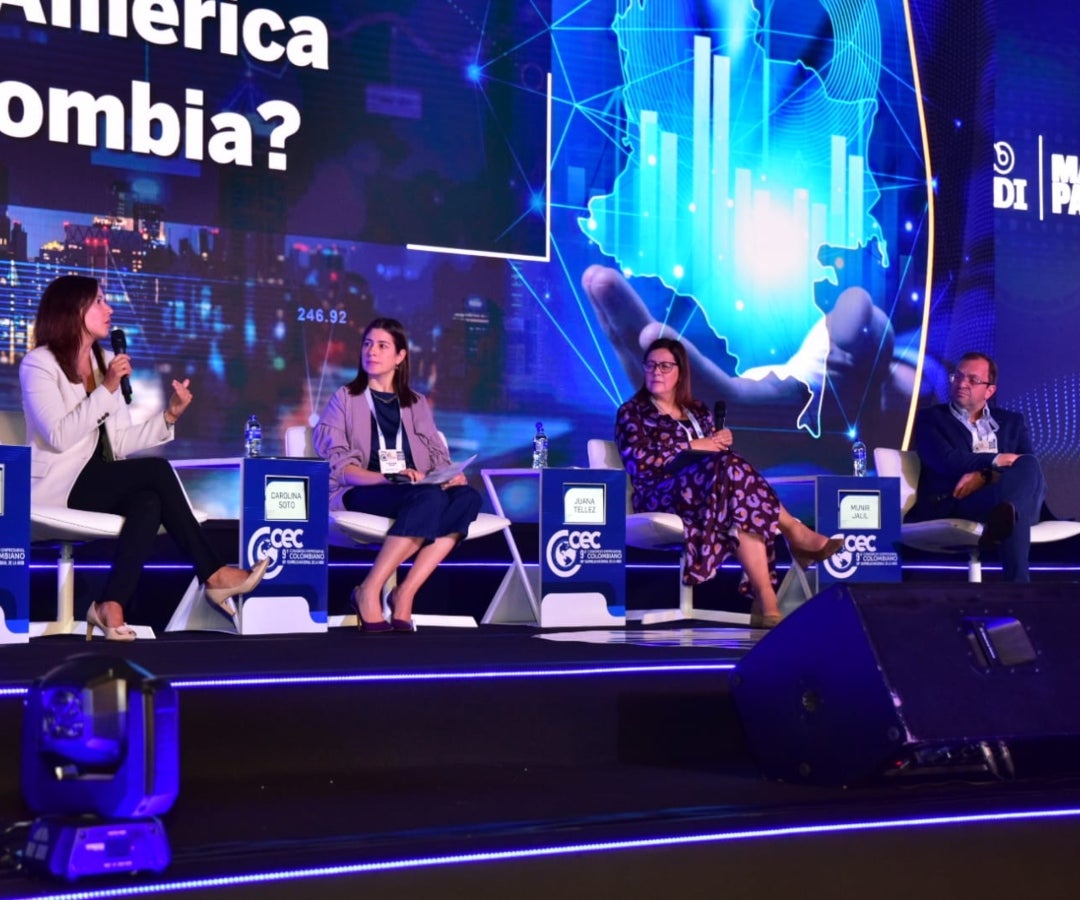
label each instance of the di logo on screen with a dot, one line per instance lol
(1056, 190)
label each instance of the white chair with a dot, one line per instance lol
(657, 531)
(351, 529)
(949, 535)
(62, 527)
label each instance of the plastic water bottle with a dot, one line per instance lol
(858, 459)
(540, 447)
(252, 437)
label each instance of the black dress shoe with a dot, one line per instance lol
(999, 525)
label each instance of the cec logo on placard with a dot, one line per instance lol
(274, 544)
(845, 562)
(566, 550)
(859, 551)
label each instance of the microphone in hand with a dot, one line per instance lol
(719, 414)
(119, 345)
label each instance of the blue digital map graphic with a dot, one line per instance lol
(747, 182)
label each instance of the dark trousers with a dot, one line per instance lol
(1021, 484)
(147, 493)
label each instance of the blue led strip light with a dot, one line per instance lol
(283, 680)
(560, 850)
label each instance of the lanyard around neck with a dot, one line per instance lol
(382, 438)
(693, 421)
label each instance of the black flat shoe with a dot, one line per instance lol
(999, 525)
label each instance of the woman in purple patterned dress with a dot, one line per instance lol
(726, 505)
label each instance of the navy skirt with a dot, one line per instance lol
(419, 510)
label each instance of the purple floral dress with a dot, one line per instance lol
(716, 497)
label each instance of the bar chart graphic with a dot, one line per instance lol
(748, 175)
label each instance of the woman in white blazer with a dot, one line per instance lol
(80, 436)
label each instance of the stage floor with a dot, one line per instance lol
(345, 651)
(502, 760)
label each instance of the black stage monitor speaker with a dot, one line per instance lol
(866, 680)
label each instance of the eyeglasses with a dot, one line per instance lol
(961, 377)
(664, 367)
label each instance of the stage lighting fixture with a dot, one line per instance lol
(100, 760)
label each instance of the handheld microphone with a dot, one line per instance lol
(119, 345)
(719, 414)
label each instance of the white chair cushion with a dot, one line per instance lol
(655, 531)
(645, 530)
(485, 524)
(59, 523)
(942, 535)
(350, 528)
(959, 535)
(1053, 530)
(947, 535)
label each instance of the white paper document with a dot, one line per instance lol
(447, 472)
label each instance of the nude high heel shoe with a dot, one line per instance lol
(120, 633)
(761, 620)
(805, 557)
(222, 597)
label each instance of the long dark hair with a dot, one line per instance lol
(683, 395)
(60, 323)
(405, 394)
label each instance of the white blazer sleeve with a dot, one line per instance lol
(53, 407)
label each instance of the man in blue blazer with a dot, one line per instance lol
(978, 464)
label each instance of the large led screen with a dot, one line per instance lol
(800, 190)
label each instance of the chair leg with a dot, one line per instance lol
(686, 592)
(65, 585)
(64, 623)
(974, 567)
(686, 609)
(797, 586)
(387, 590)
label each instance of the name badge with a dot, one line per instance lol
(984, 445)
(391, 461)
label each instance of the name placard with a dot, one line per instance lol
(584, 504)
(286, 499)
(582, 548)
(860, 510)
(14, 544)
